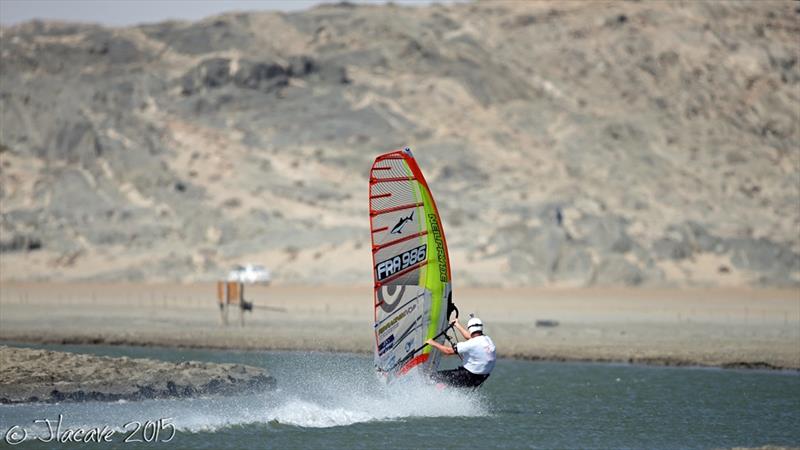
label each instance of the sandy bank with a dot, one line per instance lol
(28, 375)
(719, 327)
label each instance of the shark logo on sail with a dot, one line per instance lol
(397, 229)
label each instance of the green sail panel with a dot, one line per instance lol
(411, 267)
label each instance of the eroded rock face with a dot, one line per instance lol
(263, 76)
(618, 143)
(28, 375)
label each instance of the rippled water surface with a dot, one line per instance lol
(328, 400)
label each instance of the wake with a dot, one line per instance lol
(338, 404)
(314, 391)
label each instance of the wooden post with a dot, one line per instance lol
(222, 300)
(235, 298)
(241, 304)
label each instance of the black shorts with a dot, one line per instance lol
(460, 377)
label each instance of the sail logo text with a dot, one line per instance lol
(437, 237)
(393, 323)
(385, 345)
(389, 267)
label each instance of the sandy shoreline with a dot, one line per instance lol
(715, 327)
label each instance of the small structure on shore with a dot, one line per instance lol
(231, 291)
(546, 323)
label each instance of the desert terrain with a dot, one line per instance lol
(618, 181)
(705, 327)
(568, 144)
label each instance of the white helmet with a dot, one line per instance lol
(475, 324)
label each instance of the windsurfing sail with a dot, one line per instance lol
(411, 267)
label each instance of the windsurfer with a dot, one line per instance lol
(477, 352)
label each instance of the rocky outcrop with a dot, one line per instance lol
(28, 375)
(261, 76)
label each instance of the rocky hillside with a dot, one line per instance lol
(567, 143)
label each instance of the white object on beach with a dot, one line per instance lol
(250, 273)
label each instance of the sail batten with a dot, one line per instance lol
(395, 208)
